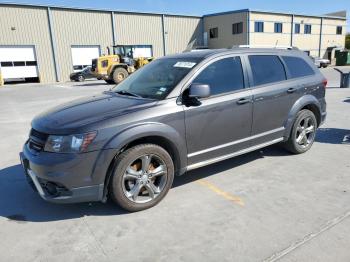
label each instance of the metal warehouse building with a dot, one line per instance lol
(47, 43)
(316, 35)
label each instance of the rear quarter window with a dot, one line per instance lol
(297, 66)
(266, 69)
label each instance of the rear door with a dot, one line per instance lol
(219, 124)
(273, 96)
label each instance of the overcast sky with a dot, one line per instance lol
(200, 7)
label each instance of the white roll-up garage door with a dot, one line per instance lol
(82, 56)
(18, 62)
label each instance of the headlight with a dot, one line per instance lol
(69, 144)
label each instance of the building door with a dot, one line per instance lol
(18, 63)
(82, 56)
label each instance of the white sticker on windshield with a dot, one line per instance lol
(185, 64)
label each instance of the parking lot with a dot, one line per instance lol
(264, 206)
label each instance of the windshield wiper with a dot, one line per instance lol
(127, 93)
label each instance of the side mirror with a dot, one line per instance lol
(199, 90)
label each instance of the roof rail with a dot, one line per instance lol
(266, 46)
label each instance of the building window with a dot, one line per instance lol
(339, 30)
(213, 32)
(307, 29)
(259, 27)
(297, 28)
(278, 28)
(237, 28)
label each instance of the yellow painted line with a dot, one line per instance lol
(218, 191)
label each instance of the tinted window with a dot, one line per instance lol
(278, 27)
(307, 29)
(19, 63)
(339, 30)
(259, 26)
(297, 66)
(6, 64)
(31, 63)
(222, 76)
(213, 32)
(237, 28)
(297, 29)
(266, 69)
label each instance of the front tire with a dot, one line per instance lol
(141, 178)
(303, 132)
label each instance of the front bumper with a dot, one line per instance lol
(65, 178)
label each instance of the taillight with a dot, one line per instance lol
(325, 82)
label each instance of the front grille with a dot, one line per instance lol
(38, 135)
(37, 140)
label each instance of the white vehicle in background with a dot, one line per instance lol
(320, 62)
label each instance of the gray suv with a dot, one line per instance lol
(176, 114)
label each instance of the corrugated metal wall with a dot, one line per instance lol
(31, 28)
(181, 31)
(73, 27)
(139, 29)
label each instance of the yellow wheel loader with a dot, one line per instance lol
(114, 68)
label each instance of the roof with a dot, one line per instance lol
(92, 9)
(331, 15)
(274, 12)
(202, 54)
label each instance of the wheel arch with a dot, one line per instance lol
(306, 102)
(165, 137)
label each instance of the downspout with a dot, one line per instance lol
(292, 31)
(320, 45)
(248, 27)
(164, 38)
(113, 29)
(53, 44)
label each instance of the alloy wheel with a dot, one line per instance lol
(305, 133)
(144, 179)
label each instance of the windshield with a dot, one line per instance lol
(157, 79)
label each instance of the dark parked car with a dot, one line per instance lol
(176, 114)
(82, 75)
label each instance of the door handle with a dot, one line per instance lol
(243, 101)
(291, 90)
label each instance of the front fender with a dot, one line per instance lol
(298, 105)
(148, 129)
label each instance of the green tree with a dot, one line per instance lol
(347, 41)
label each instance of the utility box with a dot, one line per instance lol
(342, 58)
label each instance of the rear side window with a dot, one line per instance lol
(297, 66)
(222, 76)
(266, 69)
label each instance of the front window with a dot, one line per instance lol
(157, 79)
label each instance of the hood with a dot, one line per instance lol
(74, 116)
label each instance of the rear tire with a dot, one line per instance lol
(119, 75)
(141, 177)
(303, 132)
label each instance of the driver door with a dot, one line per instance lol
(219, 125)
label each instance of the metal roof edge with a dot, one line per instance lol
(9, 3)
(227, 12)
